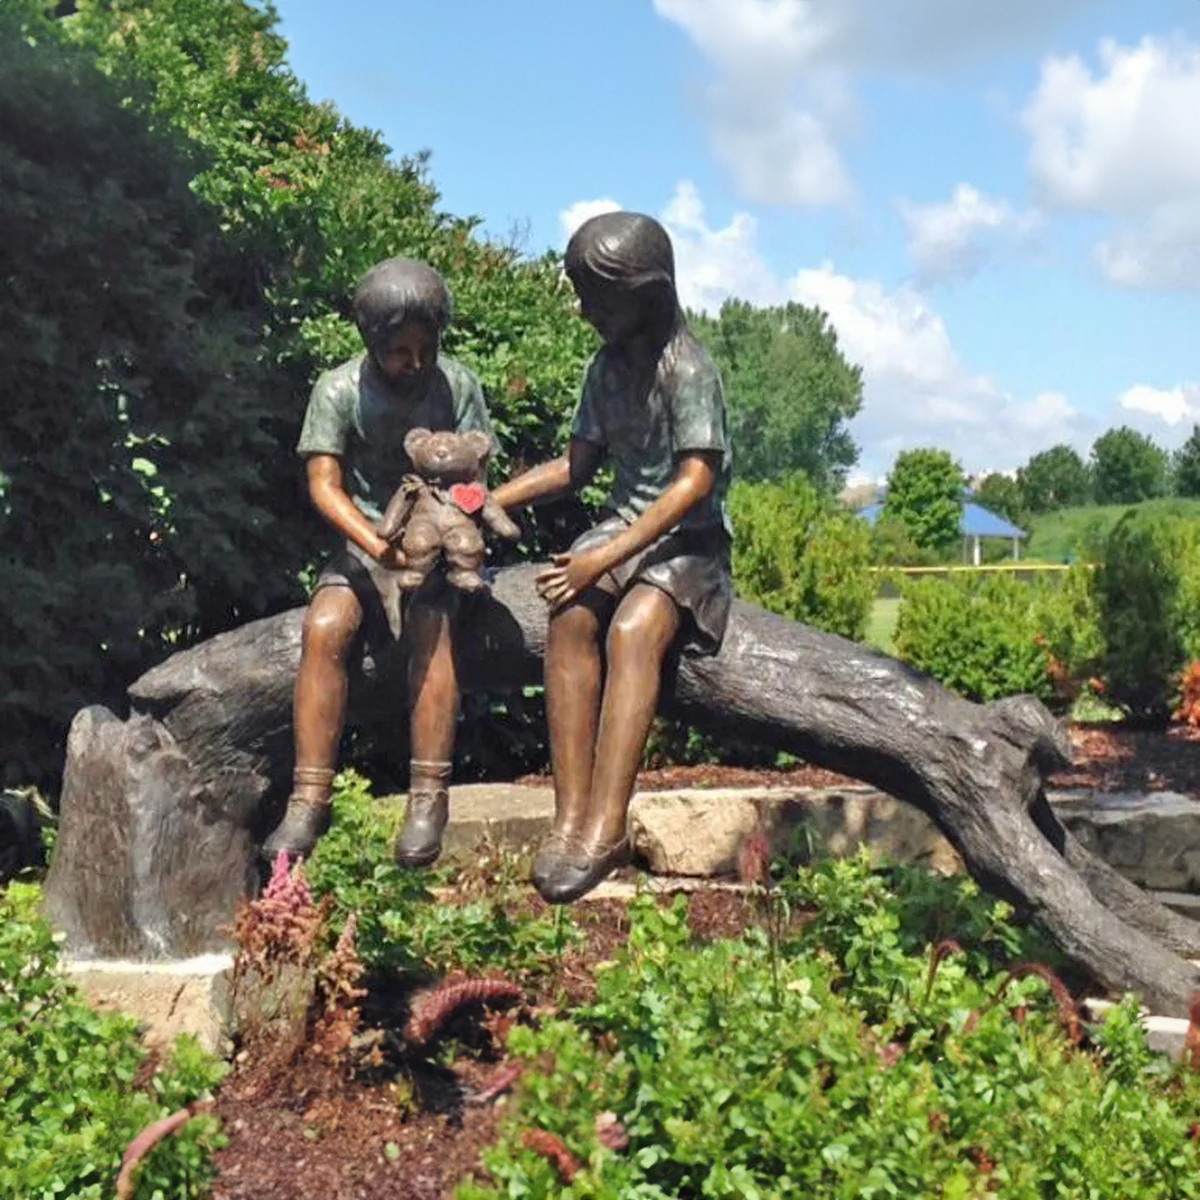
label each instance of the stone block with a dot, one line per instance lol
(699, 831)
(1153, 839)
(166, 997)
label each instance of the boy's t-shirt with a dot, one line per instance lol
(355, 416)
(645, 436)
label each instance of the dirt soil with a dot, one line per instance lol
(1108, 757)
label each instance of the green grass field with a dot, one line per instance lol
(881, 624)
(1070, 533)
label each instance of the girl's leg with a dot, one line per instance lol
(319, 714)
(433, 689)
(574, 673)
(641, 633)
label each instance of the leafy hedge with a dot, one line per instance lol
(68, 1102)
(980, 637)
(181, 229)
(796, 554)
(1128, 628)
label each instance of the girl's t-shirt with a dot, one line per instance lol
(646, 427)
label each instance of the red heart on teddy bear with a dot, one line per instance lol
(469, 497)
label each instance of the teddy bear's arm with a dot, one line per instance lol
(391, 526)
(497, 520)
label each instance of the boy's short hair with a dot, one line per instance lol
(398, 290)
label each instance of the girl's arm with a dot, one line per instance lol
(572, 574)
(553, 479)
(327, 490)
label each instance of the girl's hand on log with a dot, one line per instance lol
(571, 575)
(391, 557)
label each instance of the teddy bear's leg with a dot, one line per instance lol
(420, 549)
(464, 556)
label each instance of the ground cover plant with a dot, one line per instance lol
(869, 1062)
(76, 1087)
(852, 1030)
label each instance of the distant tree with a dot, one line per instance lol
(1127, 467)
(1002, 495)
(790, 391)
(925, 494)
(1055, 478)
(1186, 466)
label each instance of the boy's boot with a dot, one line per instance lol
(307, 815)
(420, 840)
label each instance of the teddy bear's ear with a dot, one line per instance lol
(414, 440)
(480, 442)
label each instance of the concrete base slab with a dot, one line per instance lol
(167, 998)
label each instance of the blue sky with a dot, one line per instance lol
(996, 201)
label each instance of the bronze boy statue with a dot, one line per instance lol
(353, 445)
(656, 568)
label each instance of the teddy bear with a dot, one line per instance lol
(437, 510)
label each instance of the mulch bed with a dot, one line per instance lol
(311, 1135)
(1108, 757)
(315, 1136)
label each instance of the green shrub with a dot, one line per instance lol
(1148, 598)
(68, 1105)
(794, 554)
(978, 636)
(864, 1074)
(1068, 622)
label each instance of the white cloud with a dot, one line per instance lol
(1174, 406)
(918, 392)
(774, 109)
(953, 239)
(1124, 141)
(1162, 251)
(916, 389)
(713, 265)
(575, 214)
(783, 97)
(1121, 140)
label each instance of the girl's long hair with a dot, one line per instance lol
(632, 253)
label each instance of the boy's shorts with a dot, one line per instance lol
(691, 565)
(383, 604)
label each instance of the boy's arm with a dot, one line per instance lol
(327, 490)
(572, 471)
(572, 574)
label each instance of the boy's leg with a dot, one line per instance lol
(639, 636)
(319, 714)
(574, 675)
(434, 697)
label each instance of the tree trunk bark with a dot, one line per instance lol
(977, 771)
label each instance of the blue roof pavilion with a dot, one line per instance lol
(977, 523)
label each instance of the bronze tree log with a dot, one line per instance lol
(196, 775)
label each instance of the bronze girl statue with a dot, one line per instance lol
(655, 571)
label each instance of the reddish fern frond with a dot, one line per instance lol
(500, 1083)
(1191, 1042)
(550, 1146)
(431, 1010)
(942, 950)
(1068, 1013)
(148, 1139)
(610, 1133)
(754, 859)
